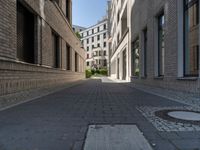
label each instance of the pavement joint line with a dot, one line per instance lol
(72, 84)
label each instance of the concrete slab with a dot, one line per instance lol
(118, 137)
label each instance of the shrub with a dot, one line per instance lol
(103, 72)
(93, 71)
(88, 73)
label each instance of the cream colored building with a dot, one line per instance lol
(120, 21)
(95, 42)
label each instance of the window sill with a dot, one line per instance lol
(187, 78)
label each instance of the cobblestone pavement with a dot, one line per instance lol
(59, 121)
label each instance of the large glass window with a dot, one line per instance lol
(136, 57)
(161, 45)
(25, 34)
(68, 53)
(145, 52)
(191, 38)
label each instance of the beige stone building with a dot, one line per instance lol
(38, 47)
(120, 38)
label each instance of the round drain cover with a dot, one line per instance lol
(185, 115)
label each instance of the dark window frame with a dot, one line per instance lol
(186, 7)
(161, 17)
(27, 40)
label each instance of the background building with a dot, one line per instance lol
(78, 28)
(95, 41)
(38, 47)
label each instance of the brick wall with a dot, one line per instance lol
(144, 15)
(15, 75)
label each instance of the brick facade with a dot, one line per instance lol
(143, 16)
(49, 17)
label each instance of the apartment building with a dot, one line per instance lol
(78, 28)
(38, 47)
(120, 39)
(95, 41)
(165, 44)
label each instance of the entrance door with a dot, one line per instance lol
(124, 65)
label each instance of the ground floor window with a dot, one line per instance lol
(55, 46)
(191, 37)
(161, 45)
(136, 57)
(76, 62)
(68, 53)
(145, 52)
(25, 34)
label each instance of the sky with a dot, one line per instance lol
(87, 12)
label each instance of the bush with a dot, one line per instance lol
(93, 71)
(88, 73)
(103, 72)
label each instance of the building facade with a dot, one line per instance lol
(159, 46)
(78, 28)
(120, 39)
(38, 47)
(165, 44)
(95, 41)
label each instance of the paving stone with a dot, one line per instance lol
(59, 121)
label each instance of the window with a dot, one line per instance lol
(88, 48)
(25, 34)
(55, 46)
(92, 46)
(87, 41)
(105, 62)
(104, 26)
(191, 38)
(98, 37)
(98, 45)
(92, 39)
(92, 31)
(104, 44)
(104, 53)
(68, 9)
(136, 58)
(118, 16)
(88, 56)
(88, 63)
(145, 52)
(68, 53)
(161, 45)
(104, 35)
(76, 62)
(87, 33)
(118, 38)
(98, 29)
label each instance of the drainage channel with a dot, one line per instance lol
(117, 137)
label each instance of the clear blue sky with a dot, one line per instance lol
(88, 12)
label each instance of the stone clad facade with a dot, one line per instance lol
(144, 28)
(48, 54)
(156, 43)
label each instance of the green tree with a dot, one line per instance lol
(78, 35)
